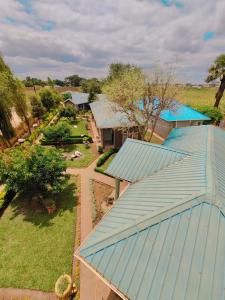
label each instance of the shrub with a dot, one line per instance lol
(63, 286)
(100, 149)
(58, 132)
(68, 112)
(105, 156)
(213, 112)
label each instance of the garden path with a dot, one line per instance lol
(88, 281)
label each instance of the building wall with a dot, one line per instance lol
(163, 128)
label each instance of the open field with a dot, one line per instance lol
(199, 96)
(80, 127)
(36, 248)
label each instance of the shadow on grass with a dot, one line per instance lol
(65, 201)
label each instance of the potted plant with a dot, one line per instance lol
(63, 287)
(50, 205)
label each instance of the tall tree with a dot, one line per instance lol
(6, 102)
(37, 107)
(20, 102)
(116, 69)
(73, 80)
(140, 98)
(217, 71)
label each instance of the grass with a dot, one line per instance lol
(36, 248)
(199, 96)
(84, 161)
(104, 167)
(81, 127)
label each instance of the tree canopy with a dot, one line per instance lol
(33, 168)
(217, 71)
(58, 132)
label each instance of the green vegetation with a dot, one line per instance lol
(85, 160)
(57, 133)
(36, 248)
(33, 168)
(79, 127)
(68, 112)
(67, 96)
(213, 112)
(106, 164)
(12, 95)
(49, 98)
(105, 156)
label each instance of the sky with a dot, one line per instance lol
(57, 38)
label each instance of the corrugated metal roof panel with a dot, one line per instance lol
(79, 98)
(182, 257)
(137, 159)
(106, 115)
(165, 236)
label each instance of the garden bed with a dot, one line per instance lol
(100, 193)
(36, 248)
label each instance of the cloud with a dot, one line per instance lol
(58, 38)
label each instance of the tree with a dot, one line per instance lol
(214, 113)
(58, 132)
(140, 98)
(59, 82)
(116, 69)
(6, 100)
(20, 102)
(73, 80)
(50, 82)
(217, 71)
(92, 86)
(33, 168)
(67, 96)
(68, 112)
(37, 109)
(49, 98)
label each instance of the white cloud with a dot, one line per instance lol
(88, 35)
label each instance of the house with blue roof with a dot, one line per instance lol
(109, 121)
(78, 100)
(164, 238)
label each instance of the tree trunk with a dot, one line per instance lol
(27, 123)
(220, 92)
(153, 127)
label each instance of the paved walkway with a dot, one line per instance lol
(90, 285)
(11, 293)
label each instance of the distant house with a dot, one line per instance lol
(111, 124)
(164, 238)
(78, 100)
(181, 116)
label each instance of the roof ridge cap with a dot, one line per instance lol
(159, 146)
(142, 223)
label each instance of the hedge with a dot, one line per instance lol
(69, 140)
(213, 112)
(105, 156)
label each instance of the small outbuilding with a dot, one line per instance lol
(78, 100)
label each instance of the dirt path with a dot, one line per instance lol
(11, 293)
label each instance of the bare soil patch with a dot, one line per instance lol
(101, 192)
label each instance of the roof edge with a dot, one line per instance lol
(143, 223)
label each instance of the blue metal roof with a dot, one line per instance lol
(165, 236)
(183, 113)
(78, 98)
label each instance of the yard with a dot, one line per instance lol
(79, 127)
(36, 248)
(87, 155)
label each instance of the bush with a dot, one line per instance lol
(100, 149)
(105, 156)
(213, 112)
(68, 112)
(58, 132)
(68, 140)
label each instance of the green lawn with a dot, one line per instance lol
(84, 161)
(81, 127)
(36, 248)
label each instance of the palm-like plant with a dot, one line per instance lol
(217, 71)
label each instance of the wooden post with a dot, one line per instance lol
(117, 188)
